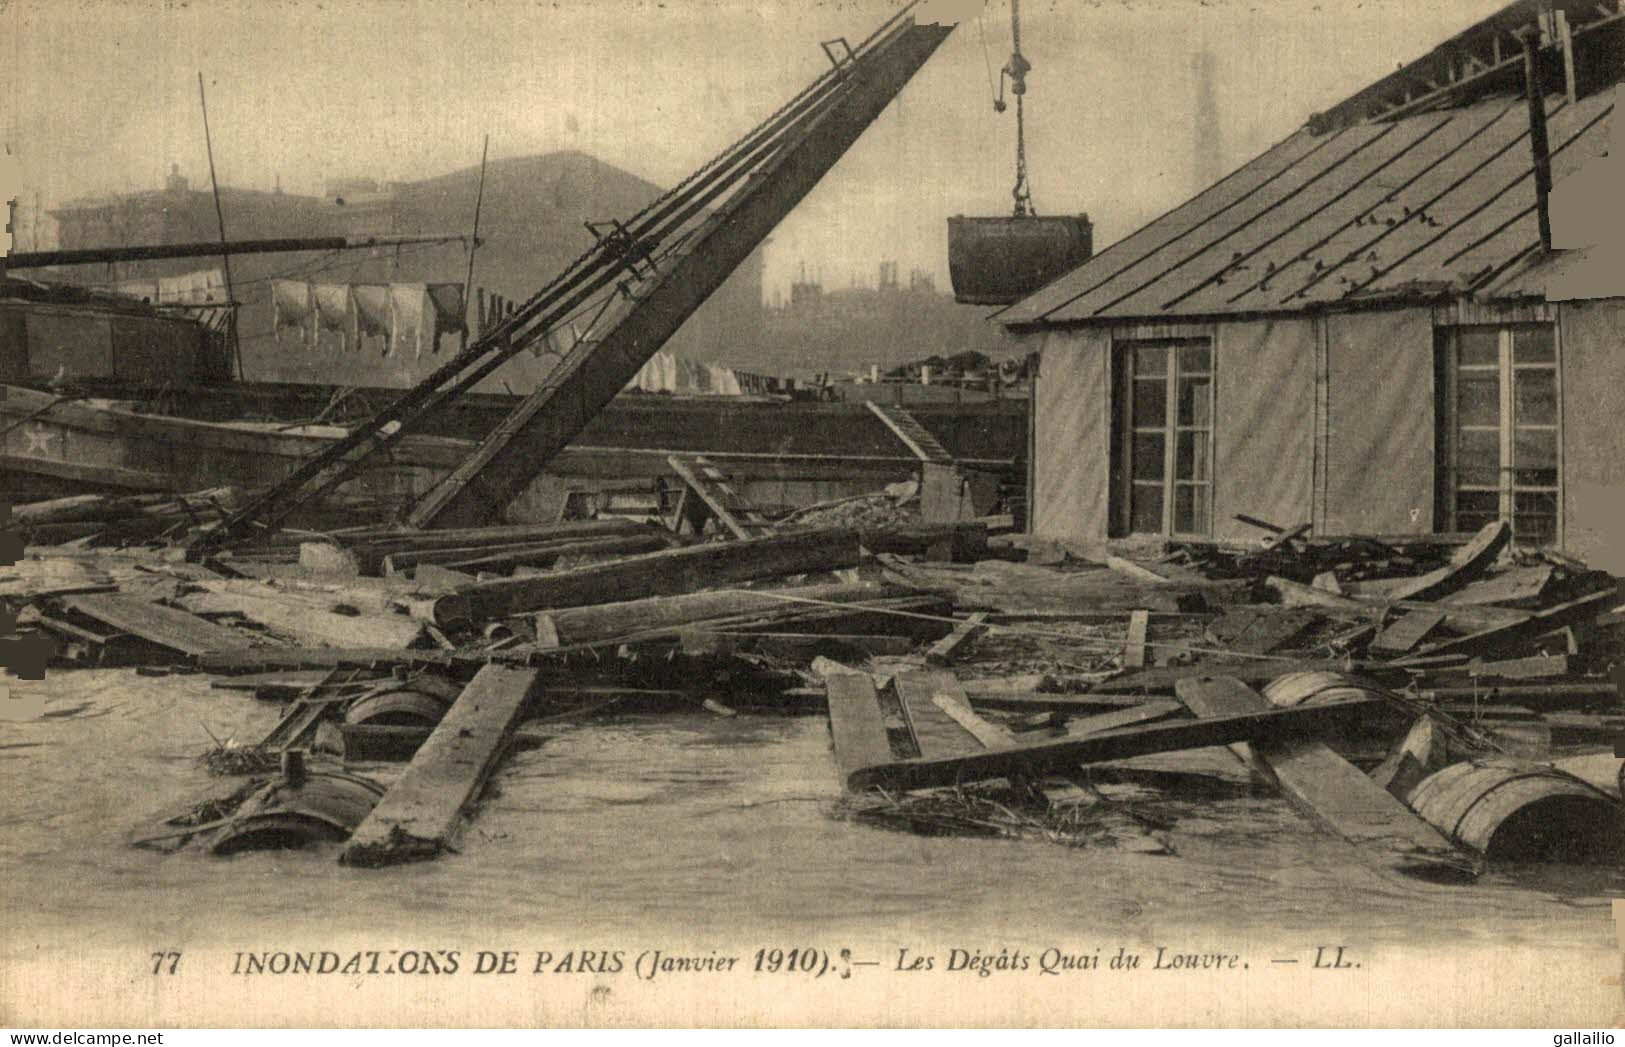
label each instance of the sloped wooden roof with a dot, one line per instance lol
(1425, 206)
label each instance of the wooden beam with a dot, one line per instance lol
(1502, 638)
(946, 649)
(926, 772)
(595, 623)
(935, 732)
(1407, 632)
(1327, 787)
(732, 510)
(1144, 712)
(857, 728)
(1139, 622)
(476, 557)
(420, 815)
(671, 571)
(1136, 571)
(155, 623)
(1034, 701)
(1466, 564)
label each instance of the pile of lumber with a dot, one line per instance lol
(107, 520)
(1349, 692)
(965, 693)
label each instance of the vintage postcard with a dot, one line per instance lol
(756, 513)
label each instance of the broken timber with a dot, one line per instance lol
(607, 621)
(1327, 787)
(944, 650)
(1139, 622)
(731, 509)
(857, 728)
(165, 626)
(663, 573)
(420, 815)
(925, 772)
(1503, 637)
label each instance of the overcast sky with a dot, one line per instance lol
(102, 96)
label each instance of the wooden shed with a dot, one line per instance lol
(1367, 327)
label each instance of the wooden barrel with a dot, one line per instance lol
(998, 261)
(1317, 688)
(1520, 812)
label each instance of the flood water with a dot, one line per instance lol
(694, 827)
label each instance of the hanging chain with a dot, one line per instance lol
(1017, 70)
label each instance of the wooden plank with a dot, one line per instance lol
(1500, 638)
(1408, 631)
(927, 772)
(543, 552)
(1457, 616)
(991, 735)
(1466, 564)
(303, 621)
(421, 813)
(270, 659)
(1136, 571)
(944, 650)
(664, 573)
(805, 645)
(1034, 701)
(936, 734)
(856, 726)
(155, 623)
(1521, 585)
(1531, 668)
(732, 510)
(1139, 622)
(1285, 538)
(607, 621)
(1144, 712)
(1161, 679)
(1325, 786)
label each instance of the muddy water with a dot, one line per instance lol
(690, 825)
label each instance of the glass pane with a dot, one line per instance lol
(1533, 344)
(1542, 503)
(1190, 509)
(1474, 509)
(1150, 403)
(1534, 453)
(1145, 508)
(1534, 517)
(1195, 359)
(1196, 401)
(1535, 393)
(1479, 345)
(1151, 359)
(1478, 398)
(1147, 457)
(1190, 458)
(1478, 458)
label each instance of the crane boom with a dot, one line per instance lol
(600, 366)
(643, 278)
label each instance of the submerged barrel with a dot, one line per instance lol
(999, 261)
(324, 806)
(1515, 812)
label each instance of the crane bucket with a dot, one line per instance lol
(999, 261)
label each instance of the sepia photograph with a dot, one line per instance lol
(759, 514)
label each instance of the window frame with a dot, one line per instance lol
(1505, 369)
(1170, 430)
